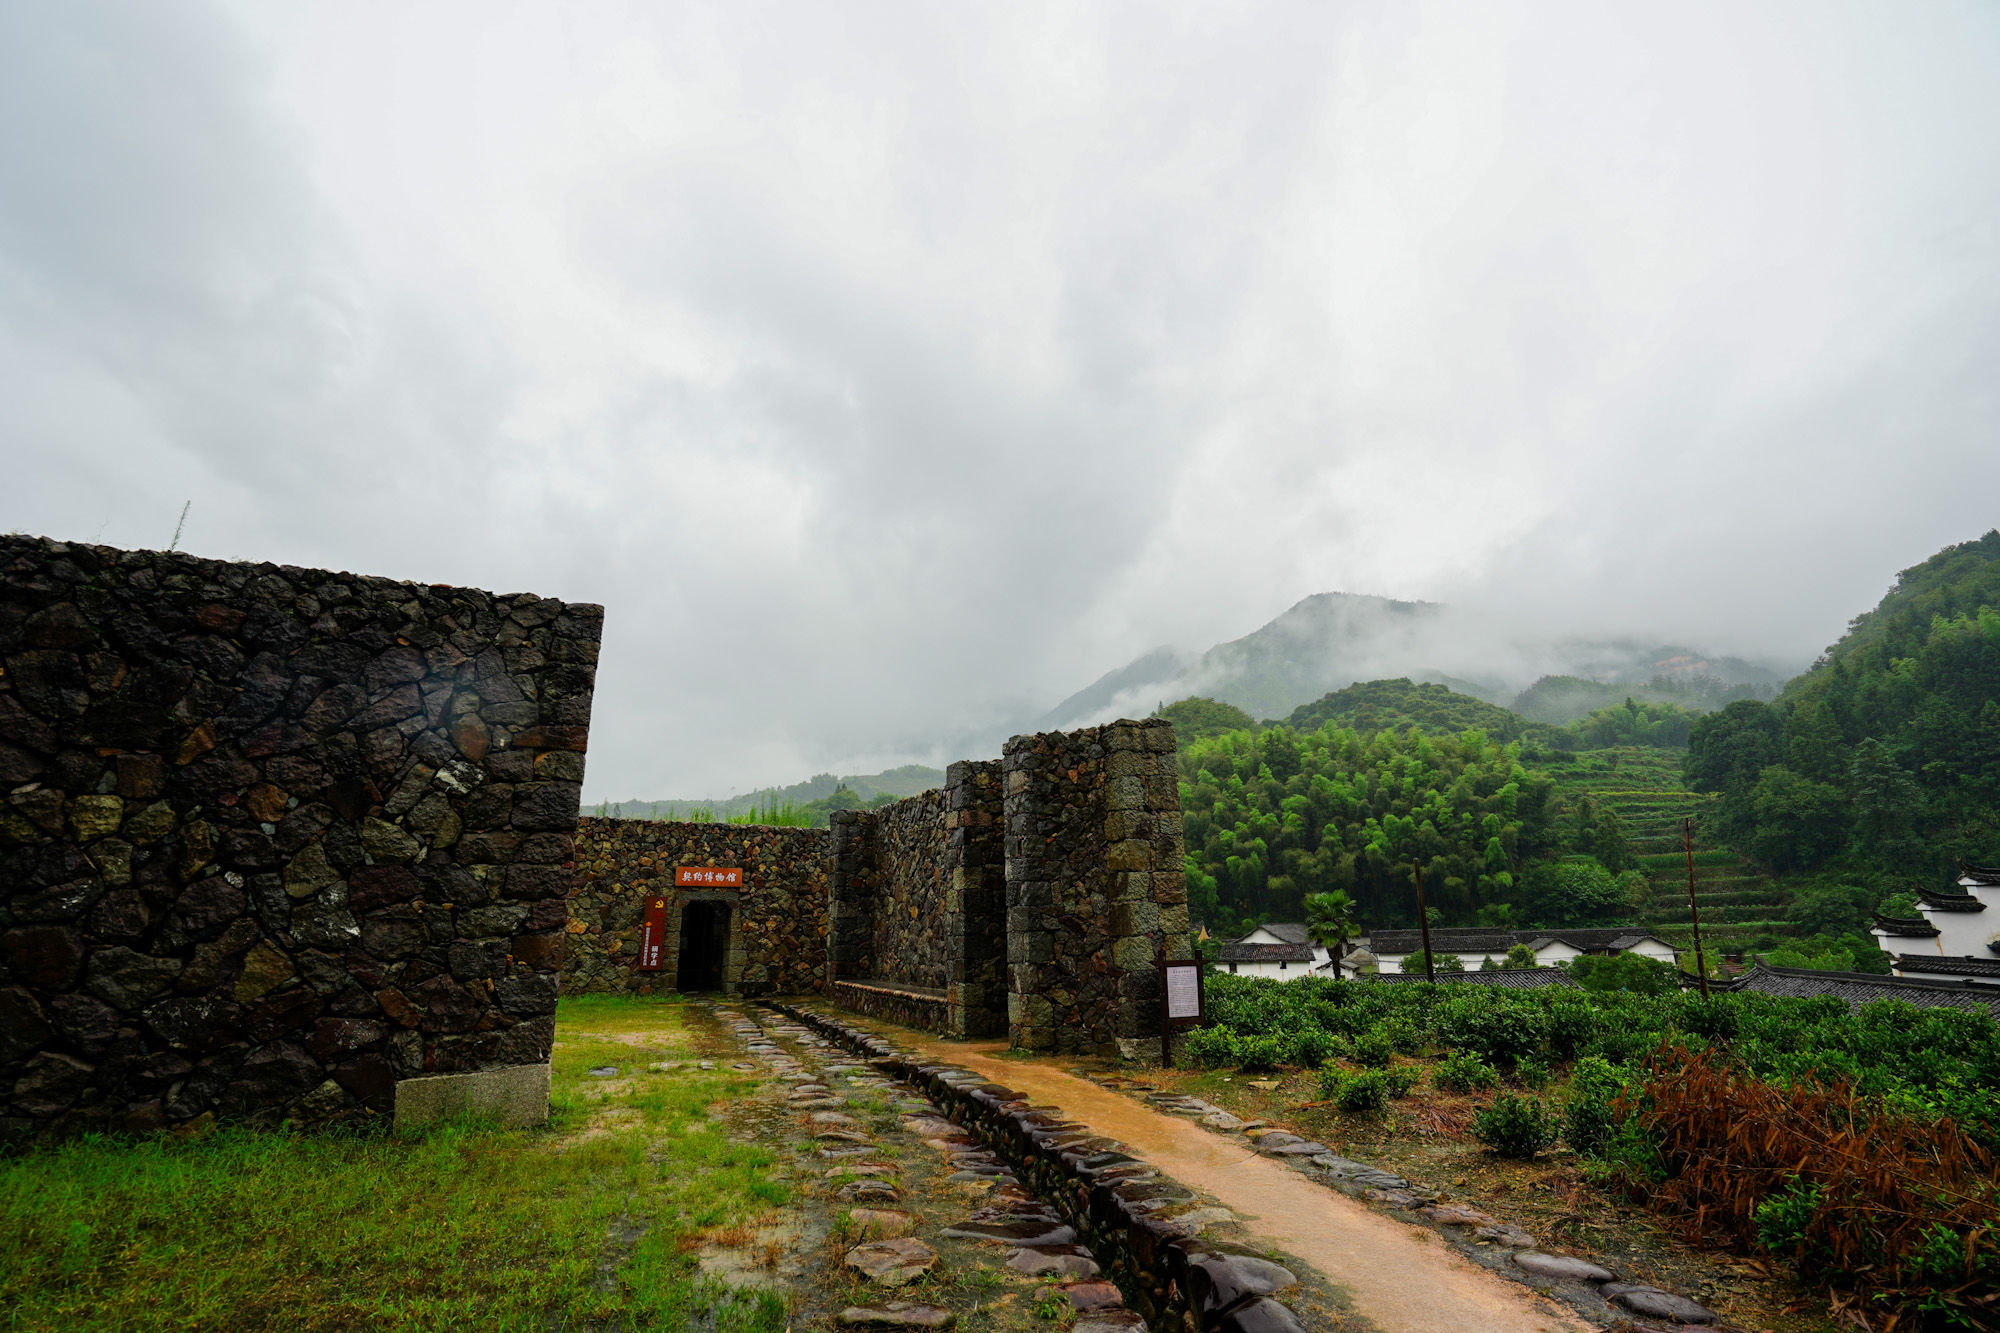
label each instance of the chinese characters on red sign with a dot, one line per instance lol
(653, 935)
(720, 877)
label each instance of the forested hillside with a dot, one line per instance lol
(1376, 705)
(1881, 764)
(1272, 817)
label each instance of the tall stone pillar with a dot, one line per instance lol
(1095, 886)
(975, 900)
(852, 878)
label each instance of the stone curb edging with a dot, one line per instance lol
(1592, 1290)
(1172, 1280)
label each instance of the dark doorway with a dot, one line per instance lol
(704, 946)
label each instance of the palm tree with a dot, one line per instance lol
(1329, 921)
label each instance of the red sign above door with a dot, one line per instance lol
(717, 877)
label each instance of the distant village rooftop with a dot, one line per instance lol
(1585, 939)
(1523, 978)
(1859, 988)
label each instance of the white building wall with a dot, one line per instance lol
(1275, 971)
(1966, 934)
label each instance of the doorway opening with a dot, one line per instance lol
(704, 946)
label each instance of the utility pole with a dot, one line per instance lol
(1694, 908)
(1424, 924)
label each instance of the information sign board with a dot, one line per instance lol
(1180, 1003)
(1184, 992)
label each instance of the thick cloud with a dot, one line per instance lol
(891, 371)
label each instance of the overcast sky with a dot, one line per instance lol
(890, 371)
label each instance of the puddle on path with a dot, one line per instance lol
(1402, 1278)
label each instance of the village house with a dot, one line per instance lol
(1952, 938)
(1281, 950)
(1474, 946)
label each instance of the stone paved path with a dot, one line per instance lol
(1400, 1277)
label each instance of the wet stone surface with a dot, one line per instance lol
(895, 1209)
(1657, 1304)
(1562, 1267)
(994, 1147)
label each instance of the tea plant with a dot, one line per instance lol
(1515, 1126)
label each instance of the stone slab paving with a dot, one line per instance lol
(916, 1231)
(1041, 1239)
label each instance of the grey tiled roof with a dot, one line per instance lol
(1950, 902)
(1267, 953)
(1498, 942)
(1905, 927)
(1979, 874)
(1525, 978)
(1859, 988)
(1291, 932)
(1932, 965)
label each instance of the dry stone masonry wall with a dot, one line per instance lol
(909, 944)
(778, 923)
(1096, 894)
(919, 907)
(276, 842)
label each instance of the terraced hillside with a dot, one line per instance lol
(1740, 907)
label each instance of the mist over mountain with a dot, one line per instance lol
(1331, 640)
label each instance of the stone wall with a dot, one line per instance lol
(909, 926)
(919, 907)
(1062, 885)
(1096, 894)
(277, 842)
(976, 899)
(778, 926)
(852, 878)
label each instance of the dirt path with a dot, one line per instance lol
(1402, 1278)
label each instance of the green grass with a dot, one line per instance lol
(459, 1226)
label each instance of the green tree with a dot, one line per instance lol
(1571, 892)
(1624, 972)
(1197, 719)
(1520, 958)
(1830, 911)
(1330, 921)
(1446, 962)
(1886, 798)
(1799, 822)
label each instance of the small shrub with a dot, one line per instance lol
(1516, 1127)
(1374, 1048)
(1407, 1037)
(1461, 1072)
(1363, 1093)
(1571, 1026)
(1782, 1219)
(1260, 1052)
(1533, 1074)
(1588, 1123)
(1497, 1031)
(1211, 1047)
(1401, 1080)
(1312, 1047)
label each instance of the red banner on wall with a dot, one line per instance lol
(653, 935)
(713, 877)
